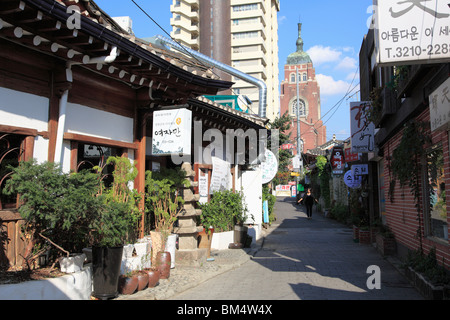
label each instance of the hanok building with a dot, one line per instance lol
(300, 91)
(72, 84)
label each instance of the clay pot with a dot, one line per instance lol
(142, 277)
(153, 276)
(162, 262)
(128, 284)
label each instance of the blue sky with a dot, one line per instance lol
(332, 31)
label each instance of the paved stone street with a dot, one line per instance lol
(308, 260)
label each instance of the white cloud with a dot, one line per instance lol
(329, 86)
(347, 63)
(320, 54)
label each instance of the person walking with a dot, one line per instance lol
(308, 200)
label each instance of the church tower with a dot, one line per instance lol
(300, 89)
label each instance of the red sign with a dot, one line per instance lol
(350, 156)
(337, 160)
(287, 146)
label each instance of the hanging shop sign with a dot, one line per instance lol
(440, 107)
(171, 132)
(269, 167)
(337, 160)
(412, 31)
(362, 130)
(351, 180)
(221, 175)
(360, 169)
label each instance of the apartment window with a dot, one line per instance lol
(305, 77)
(436, 211)
(245, 35)
(237, 22)
(245, 7)
(177, 30)
(177, 3)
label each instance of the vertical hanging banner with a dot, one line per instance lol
(337, 160)
(412, 31)
(362, 130)
(171, 132)
(221, 175)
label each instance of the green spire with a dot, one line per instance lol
(300, 56)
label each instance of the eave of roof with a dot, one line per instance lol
(167, 63)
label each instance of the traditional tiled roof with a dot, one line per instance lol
(43, 25)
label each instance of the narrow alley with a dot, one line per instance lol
(303, 259)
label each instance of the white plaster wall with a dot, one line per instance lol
(20, 109)
(40, 152)
(74, 286)
(97, 123)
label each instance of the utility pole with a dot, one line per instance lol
(299, 142)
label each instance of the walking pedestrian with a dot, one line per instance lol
(308, 200)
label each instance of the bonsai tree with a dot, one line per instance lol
(164, 200)
(57, 207)
(119, 215)
(225, 209)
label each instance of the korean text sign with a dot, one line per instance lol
(171, 132)
(440, 106)
(362, 130)
(412, 31)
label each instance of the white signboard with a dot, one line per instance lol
(296, 162)
(360, 169)
(362, 131)
(221, 175)
(351, 180)
(412, 31)
(203, 185)
(171, 132)
(269, 167)
(440, 107)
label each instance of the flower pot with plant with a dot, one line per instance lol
(164, 201)
(224, 211)
(115, 224)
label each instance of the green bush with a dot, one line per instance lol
(55, 205)
(225, 209)
(271, 199)
(163, 198)
(340, 212)
(117, 220)
(428, 266)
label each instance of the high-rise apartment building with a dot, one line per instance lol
(240, 33)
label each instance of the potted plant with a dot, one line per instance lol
(164, 201)
(115, 224)
(224, 212)
(57, 207)
(385, 241)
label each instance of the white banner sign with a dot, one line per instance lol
(412, 31)
(362, 131)
(221, 175)
(440, 106)
(269, 167)
(171, 132)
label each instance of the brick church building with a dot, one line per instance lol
(299, 65)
